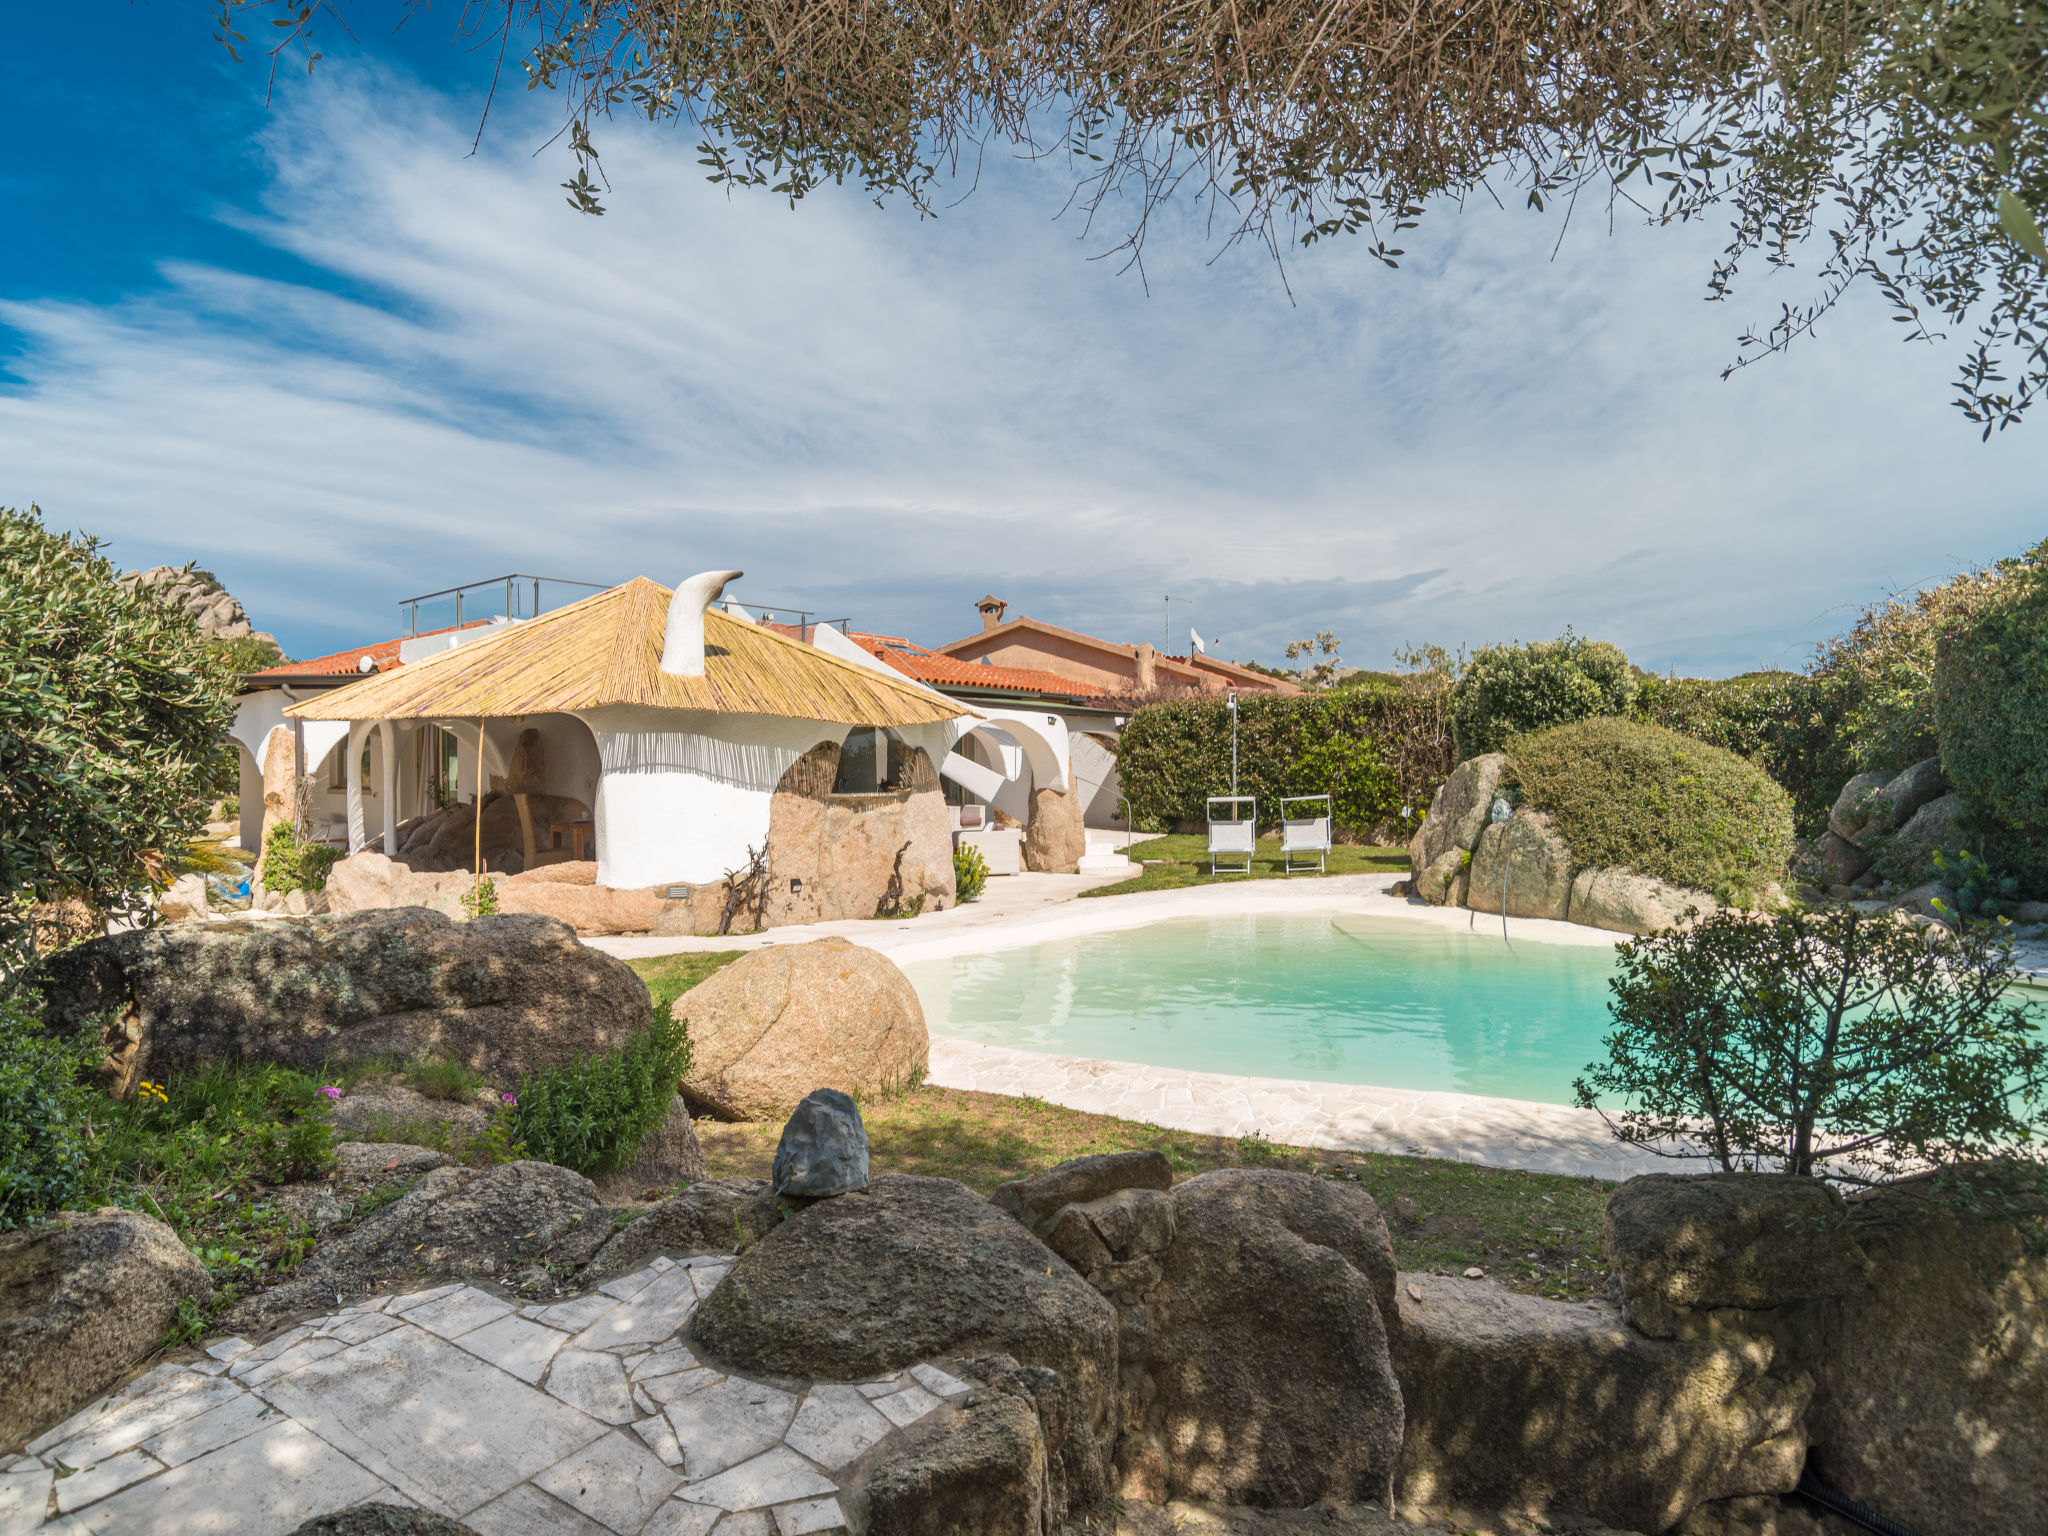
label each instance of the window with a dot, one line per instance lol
(862, 769)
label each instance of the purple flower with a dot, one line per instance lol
(507, 1098)
(332, 1093)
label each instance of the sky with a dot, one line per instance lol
(326, 348)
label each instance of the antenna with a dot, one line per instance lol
(1167, 634)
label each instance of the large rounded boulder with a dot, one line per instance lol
(915, 1269)
(505, 995)
(783, 1020)
(83, 1296)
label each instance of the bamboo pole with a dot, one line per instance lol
(478, 798)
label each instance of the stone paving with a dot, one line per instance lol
(574, 1418)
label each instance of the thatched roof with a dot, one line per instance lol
(607, 650)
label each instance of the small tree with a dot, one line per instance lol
(1835, 1042)
(1506, 690)
(1313, 673)
(111, 712)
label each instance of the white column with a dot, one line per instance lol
(353, 765)
(387, 762)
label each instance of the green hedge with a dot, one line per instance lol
(1508, 690)
(1622, 792)
(1376, 751)
(1991, 715)
(1788, 723)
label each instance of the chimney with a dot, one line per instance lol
(991, 609)
(682, 648)
(1148, 667)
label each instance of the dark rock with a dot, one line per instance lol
(1263, 1375)
(715, 1216)
(913, 1269)
(1851, 812)
(487, 1224)
(383, 1520)
(1932, 1404)
(984, 1469)
(83, 1296)
(1544, 1407)
(1037, 1198)
(1837, 860)
(391, 1112)
(824, 1148)
(669, 1156)
(1689, 1243)
(504, 995)
(1893, 806)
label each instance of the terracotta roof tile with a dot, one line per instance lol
(384, 653)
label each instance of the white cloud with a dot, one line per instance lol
(886, 417)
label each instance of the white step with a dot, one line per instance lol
(1104, 864)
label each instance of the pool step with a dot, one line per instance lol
(1104, 864)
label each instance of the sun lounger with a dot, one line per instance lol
(1305, 829)
(1234, 834)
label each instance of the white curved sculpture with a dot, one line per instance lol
(682, 646)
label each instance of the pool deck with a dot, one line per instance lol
(1022, 910)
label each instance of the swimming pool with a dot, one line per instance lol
(1342, 999)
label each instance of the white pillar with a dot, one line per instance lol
(387, 761)
(353, 765)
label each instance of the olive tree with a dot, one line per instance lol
(1833, 1042)
(111, 714)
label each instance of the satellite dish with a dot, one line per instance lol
(366, 663)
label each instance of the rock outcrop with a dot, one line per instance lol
(83, 1296)
(832, 857)
(1625, 901)
(505, 995)
(784, 1020)
(1680, 1245)
(912, 1269)
(713, 1216)
(1524, 862)
(1448, 833)
(510, 1225)
(1932, 1401)
(211, 607)
(1256, 1362)
(1054, 839)
(1889, 820)
(1518, 1403)
(1037, 1199)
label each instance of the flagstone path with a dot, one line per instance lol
(572, 1418)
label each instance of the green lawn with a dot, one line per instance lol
(1183, 859)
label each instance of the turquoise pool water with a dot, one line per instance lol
(1334, 999)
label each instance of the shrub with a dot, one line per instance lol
(479, 900)
(292, 863)
(111, 713)
(1352, 771)
(1621, 792)
(1508, 690)
(1991, 712)
(593, 1115)
(970, 874)
(1789, 724)
(1175, 754)
(1833, 1042)
(247, 653)
(44, 1105)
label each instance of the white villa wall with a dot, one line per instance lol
(685, 793)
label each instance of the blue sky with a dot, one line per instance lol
(324, 350)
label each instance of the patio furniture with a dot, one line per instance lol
(1305, 830)
(581, 833)
(1234, 835)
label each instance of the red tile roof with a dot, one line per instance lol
(349, 662)
(937, 671)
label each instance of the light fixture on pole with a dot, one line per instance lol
(1233, 741)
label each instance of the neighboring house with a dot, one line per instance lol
(1119, 671)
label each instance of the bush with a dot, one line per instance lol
(1508, 690)
(970, 874)
(1352, 771)
(1833, 1042)
(1622, 792)
(593, 1115)
(111, 714)
(479, 900)
(1173, 755)
(1788, 724)
(291, 863)
(1991, 713)
(44, 1106)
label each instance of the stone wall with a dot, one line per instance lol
(847, 856)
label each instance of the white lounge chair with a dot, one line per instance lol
(1305, 834)
(1234, 836)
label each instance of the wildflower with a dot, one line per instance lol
(330, 1093)
(508, 1101)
